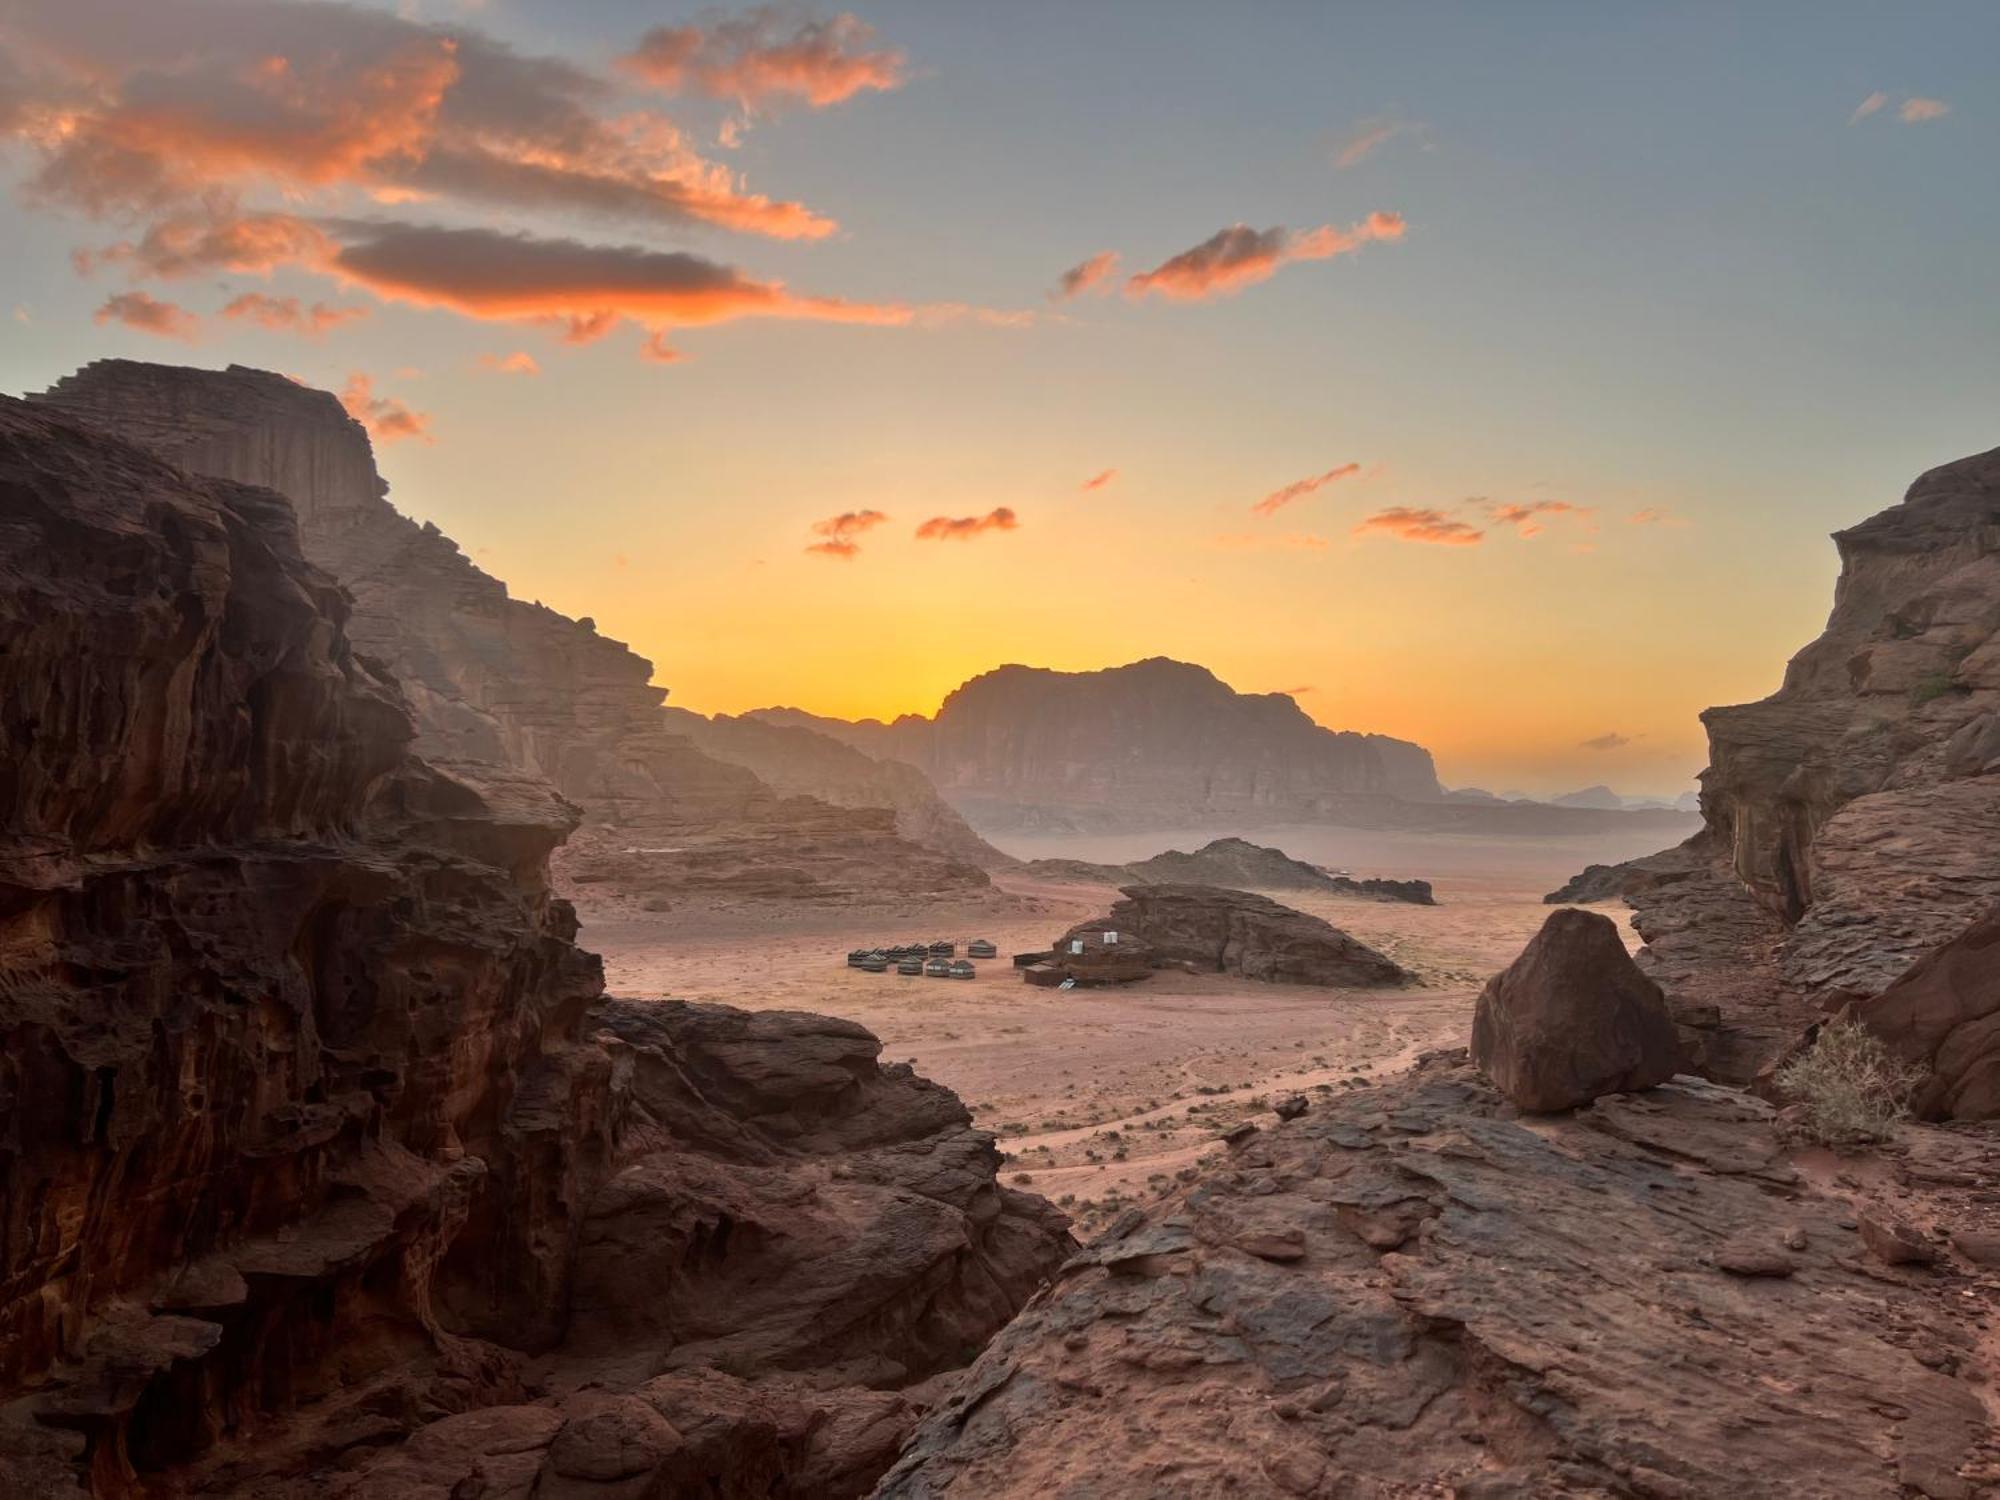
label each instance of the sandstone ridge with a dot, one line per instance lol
(495, 679)
(1851, 819)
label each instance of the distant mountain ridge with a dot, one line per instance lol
(1164, 745)
(1154, 743)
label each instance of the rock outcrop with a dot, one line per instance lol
(1156, 744)
(1572, 1019)
(1212, 930)
(798, 762)
(1237, 864)
(325, 1170)
(1852, 819)
(494, 679)
(273, 988)
(1944, 1014)
(1407, 1293)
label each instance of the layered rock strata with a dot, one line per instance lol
(320, 1143)
(1852, 819)
(494, 679)
(1407, 1292)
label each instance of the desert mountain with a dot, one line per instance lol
(494, 679)
(1157, 743)
(1162, 744)
(1852, 819)
(327, 1170)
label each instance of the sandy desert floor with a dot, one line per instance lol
(1102, 1097)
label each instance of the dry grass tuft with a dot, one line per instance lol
(1853, 1089)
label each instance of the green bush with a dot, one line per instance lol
(1852, 1088)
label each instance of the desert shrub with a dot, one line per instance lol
(1852, 1088)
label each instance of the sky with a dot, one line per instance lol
(1489, 376)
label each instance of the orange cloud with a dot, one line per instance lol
(1085, 275)
(387, 419)
(520, 362)
(1654, 515)
(289, 315)
(158, 108)
(769, 55)
(1239, 256)
(1420, 525)
(839, 533)
(1527, 517)
(148, 315)
(1298, 489)
(1916, 111)
(215, 237)
(964, 528)
(1100, 480)
(659, 351)
(1366, 137)
(1867, 107)
(582, 290)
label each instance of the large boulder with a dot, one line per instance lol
(1945, 1013)
(1211, 930)
(1573, 1019)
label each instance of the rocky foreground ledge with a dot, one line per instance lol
(1411, 1292)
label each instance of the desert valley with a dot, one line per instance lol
(437, 1067)
(949, 1027)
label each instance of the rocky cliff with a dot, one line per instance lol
(1156, 744)
(323, 1165)
(1852, 819)
(495, 679)
(796, 761)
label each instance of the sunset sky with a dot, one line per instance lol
(1488, 375)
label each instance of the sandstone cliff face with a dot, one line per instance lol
(1861, 802)
(494, 679)
(316, 1136)
(1852, 819)
(269, 982)
(1157, 744)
